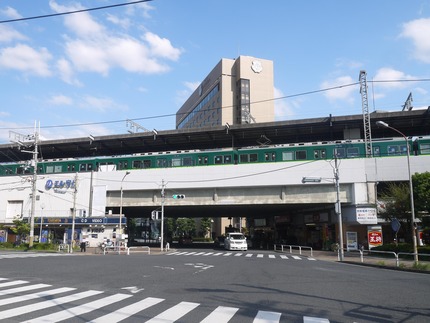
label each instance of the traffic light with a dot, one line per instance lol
(178, 196)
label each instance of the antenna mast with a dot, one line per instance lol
(366, 115)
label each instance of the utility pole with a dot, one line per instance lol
(72, 240)
(27, 141)
(162, 214)
(338, 207)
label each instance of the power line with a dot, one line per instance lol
(72, 12)
(224, 107)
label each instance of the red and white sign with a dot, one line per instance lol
(374, 236)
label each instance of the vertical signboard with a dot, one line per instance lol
(374, 236)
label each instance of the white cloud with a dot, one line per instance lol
(100, 104)
(162, 47)
(27, 59)
(97, 49)
(385, 74)
(8, 34)
(60, 100)
(123, 23)
(66, 72)
(418, 32)
(340, 91)
(10, 13)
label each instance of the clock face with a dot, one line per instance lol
(256, 66)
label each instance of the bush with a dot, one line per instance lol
(6, 245)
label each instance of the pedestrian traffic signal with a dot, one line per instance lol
(178, 196)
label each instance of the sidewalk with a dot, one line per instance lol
(373, 260)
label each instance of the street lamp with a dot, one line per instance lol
(337, 206)
(120, 211)
(408, 153)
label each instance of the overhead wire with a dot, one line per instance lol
(73, 11)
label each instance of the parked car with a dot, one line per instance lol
(235, 241)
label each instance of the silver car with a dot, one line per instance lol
(235, 241)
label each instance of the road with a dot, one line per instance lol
(213, 285)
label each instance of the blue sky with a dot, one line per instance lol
(87, 73)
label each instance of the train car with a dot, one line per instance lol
(216, 157)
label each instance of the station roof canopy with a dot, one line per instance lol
(330, 128)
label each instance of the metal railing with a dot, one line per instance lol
(145, 249)
(395, 254)
(64, 247)
(292, 247)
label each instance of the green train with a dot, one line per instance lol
(267, 154)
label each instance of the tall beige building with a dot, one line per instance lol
(236, 91)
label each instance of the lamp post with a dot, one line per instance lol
(337, 206)
(120, 211)
(408, 153)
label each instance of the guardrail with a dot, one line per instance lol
(395, 254)
(292, 247)
(115, 248)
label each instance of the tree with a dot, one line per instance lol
(186, 226)
(205, 225)
(421, 183)
(20, 228)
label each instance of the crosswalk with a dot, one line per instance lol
(239, 254)
(22, 301)
(11, 255)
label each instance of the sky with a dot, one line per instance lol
(88, 73)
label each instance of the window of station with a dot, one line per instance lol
(301, 155)
(270, 156)
(203, 160)
(70, 167)
(319, 154)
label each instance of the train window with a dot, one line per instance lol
(121, 165)
(253, 158)
(244, 158)
(137, 164)
(393, 150)
(90, 167)
(425, 148)
(161, 162)
(70, 167)
(203, 160)
(227, 159)
(187, 161)
(218, 160)
(352, 152)
(82, 167)
(58, 169)
(147, 163)
(404, 149)
(339, 152)
(270, 156)
(301, 154)
(287, 155)
(319, 154)
(49, 169)
(376, 151)
(176, 162)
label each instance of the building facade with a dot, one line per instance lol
(236, 91)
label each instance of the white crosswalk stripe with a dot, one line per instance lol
(11, 255)
(241, 254)
(55, 309)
